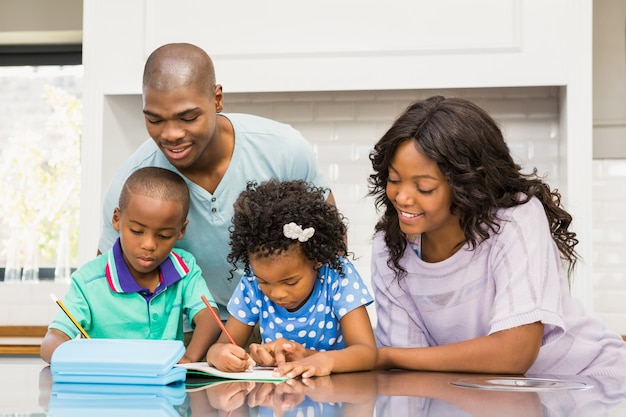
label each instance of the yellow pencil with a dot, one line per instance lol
(67, 313)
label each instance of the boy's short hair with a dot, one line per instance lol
(158, 183)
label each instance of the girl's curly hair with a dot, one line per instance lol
(469, 148)
(262, 210)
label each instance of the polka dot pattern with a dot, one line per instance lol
(316, 325)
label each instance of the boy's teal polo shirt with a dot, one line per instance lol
(108, 303)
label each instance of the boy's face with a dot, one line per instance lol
(148, 229)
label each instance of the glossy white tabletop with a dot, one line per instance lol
(26, 389)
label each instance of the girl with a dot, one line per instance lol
(307, 298)
(467, 255)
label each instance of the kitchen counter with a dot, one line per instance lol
(26, 388)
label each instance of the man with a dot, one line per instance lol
(216, 153)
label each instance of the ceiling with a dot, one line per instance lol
(27, 22)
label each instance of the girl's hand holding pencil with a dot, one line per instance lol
(228, 357)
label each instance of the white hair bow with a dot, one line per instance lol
(294, 231)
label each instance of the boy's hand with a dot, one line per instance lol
(184, 359)
(229, 358)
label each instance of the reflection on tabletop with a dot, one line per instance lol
(379, 394)
(336, 395)
(402, 393)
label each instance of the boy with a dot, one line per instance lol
(141, 288)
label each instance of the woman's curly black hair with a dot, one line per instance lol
(469, 148)
(263, 209)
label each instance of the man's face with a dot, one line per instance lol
(182, 122)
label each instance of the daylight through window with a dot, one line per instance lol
(40, 131)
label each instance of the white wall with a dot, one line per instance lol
(609, 166)
(295, 47)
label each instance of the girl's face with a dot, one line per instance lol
(419, 192)
(287, 279)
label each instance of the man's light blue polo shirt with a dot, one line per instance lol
(264, 149)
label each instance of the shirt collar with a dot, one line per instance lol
(172, 270)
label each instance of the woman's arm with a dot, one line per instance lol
(511, 351)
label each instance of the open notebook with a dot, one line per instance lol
(203, 374)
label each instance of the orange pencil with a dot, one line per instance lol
(218, 320)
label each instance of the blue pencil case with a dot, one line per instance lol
(118, 361)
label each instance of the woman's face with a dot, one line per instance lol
(419, 192)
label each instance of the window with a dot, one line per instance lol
(40, 131)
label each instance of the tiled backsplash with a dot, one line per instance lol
(343, 126)
(609, 240)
